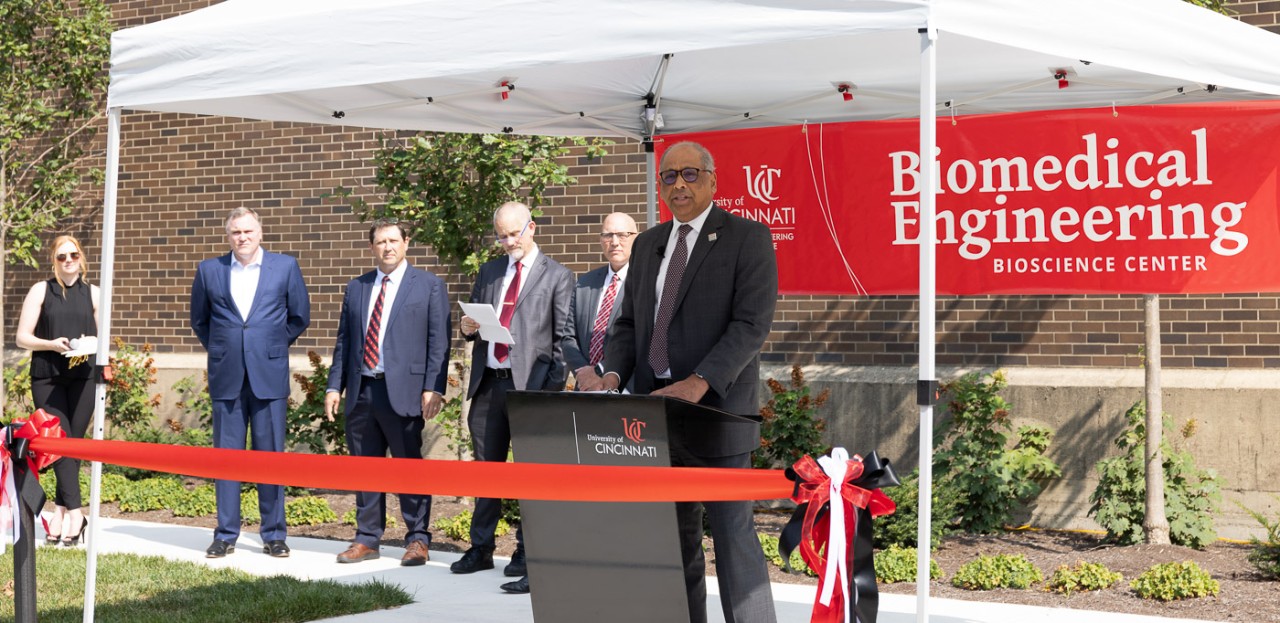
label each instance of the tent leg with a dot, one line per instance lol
(928, 313)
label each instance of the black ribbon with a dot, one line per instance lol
(877, 473)
(30, 494)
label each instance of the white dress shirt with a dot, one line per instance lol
(244, 283)
(690, 239)
(393, 286)
(527, 261)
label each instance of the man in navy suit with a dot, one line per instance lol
(391, 358)
(597, 299)
(699, 305)
(531, 293)
(247, 308)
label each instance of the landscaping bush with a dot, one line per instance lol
(198, 502)
(1174, 580)
(309, 429)
(898, 564)
(17, 389)
(130, 404)
(308, 511)
(1265, 556)
(1084, 576)
(1191, 494)
(990, 479)
(458, 527)
(770, 546)
(899, 529)
(791, 427)
(151, 494)
(1000, 571)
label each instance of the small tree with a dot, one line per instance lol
(448, 185)
(52, 83)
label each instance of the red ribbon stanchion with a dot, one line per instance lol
(21, 486)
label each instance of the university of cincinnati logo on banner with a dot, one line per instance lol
(760, 200)
(630, 443)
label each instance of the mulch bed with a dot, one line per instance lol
(1245, 595)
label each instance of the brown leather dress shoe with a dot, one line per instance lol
(357, 553)
(415, 554)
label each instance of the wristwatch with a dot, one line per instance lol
(599, 369)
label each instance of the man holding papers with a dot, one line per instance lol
(530, 293)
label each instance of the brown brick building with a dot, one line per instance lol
(181, 174)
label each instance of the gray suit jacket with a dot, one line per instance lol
(582, 311)
(540, 325)
(415, 348)
(722, 317)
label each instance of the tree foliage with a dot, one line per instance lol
(448, 185)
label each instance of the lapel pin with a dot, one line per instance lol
(711, 237)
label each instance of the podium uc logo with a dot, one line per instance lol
(760, 183)
(633, 429)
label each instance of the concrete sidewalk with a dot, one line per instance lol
(442, 596)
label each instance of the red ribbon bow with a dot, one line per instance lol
(814, 489)
(42, 425)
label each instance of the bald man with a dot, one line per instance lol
(597, 299)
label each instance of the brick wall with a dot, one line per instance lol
(1265, 14)
(181, 174)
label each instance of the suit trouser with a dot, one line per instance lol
(373, 428)
(745, 594)
(263, 421)
(491, 440)
(71, 400)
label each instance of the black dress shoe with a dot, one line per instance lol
(220, 549)
(519, 587)
(276, 549)
(517, 566)
(474, 560)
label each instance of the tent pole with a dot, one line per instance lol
(925, 387)
(650, 192)
(104, 350)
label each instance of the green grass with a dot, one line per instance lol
(150, 589)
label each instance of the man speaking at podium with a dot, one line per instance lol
(697, 308)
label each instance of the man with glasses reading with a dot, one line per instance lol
(531, 293)
(699, 303)
(597, 300)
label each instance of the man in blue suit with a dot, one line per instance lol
(391, 357)
(247, 308)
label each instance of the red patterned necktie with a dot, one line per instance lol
(667, 308)
(375, 325)
(500, 351)
(602, 321)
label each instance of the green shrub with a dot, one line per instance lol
(451, 421)
(130, 404)
(791, 426)
(898, 564)
(1174, 580)
(198, 502)
(249, 514)
(308, 511)
(112, 486)
(309, 429)
(770, 546)
(990, 479)
(1084, 576)
(349, 518)
(151, 494)
(899, 529)
(1191, 495)
(1265, 555)
(1000, 571)
(458, 527)
(193, 399)
(17, 389)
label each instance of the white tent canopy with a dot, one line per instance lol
(588, 67)
(639, 69)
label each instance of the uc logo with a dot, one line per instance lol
(760, 183)
(633, 429)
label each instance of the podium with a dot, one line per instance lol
(615, 561)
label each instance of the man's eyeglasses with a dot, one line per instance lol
(62, 257)
(622, 236)
(514, 237)
(689, 174)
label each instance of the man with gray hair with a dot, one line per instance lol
(247, 308)
(531, 293)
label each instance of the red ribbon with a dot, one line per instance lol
(513, 481)
(813, 488)
(40, 425)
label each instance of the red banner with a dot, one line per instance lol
(1141, 200)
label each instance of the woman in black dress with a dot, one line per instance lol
(54, 313)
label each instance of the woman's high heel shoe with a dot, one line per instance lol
(72, 541)
(51, 539)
